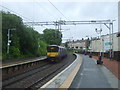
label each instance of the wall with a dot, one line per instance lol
(96, 45)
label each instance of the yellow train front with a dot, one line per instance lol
(56, 53)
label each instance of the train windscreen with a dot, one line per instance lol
(52, 49)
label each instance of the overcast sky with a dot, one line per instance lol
(37, 10)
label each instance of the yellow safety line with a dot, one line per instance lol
(72, 75)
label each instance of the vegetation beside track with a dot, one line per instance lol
(24, 40)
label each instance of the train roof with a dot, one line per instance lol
(57, 46)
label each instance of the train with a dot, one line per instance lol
(56, 53)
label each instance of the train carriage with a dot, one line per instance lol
(56, 53)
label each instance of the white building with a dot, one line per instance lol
(79, 44)
(96, 45)
(115, 42)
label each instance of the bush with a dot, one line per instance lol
(42, 48)
(14, 52)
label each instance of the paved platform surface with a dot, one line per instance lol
(21, 60)
(92, 75)
(112, 65)
(8, 63)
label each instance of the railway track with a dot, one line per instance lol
(37, 77)
(23, 75)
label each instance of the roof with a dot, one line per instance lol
(57, 46)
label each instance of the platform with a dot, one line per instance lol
(9, 63)
(84, 72)
(92, 75)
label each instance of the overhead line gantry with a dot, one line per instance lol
(57, 24)
(63, 22)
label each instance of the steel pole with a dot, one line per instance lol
(8, 41)
(8, 44)
(101, 44)
(110, 38)
(112, 41)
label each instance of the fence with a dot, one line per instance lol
(107, 55)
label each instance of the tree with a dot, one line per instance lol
(52, 36)
(66, 44)
(24, 40)
(42, 48)
(10, 21)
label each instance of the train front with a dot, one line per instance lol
(52, 52)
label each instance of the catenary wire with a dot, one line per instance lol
(58, 9)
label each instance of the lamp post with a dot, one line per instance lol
(9, 41)
(100, 57)
(112, 39)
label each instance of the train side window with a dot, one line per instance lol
(60, 49)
